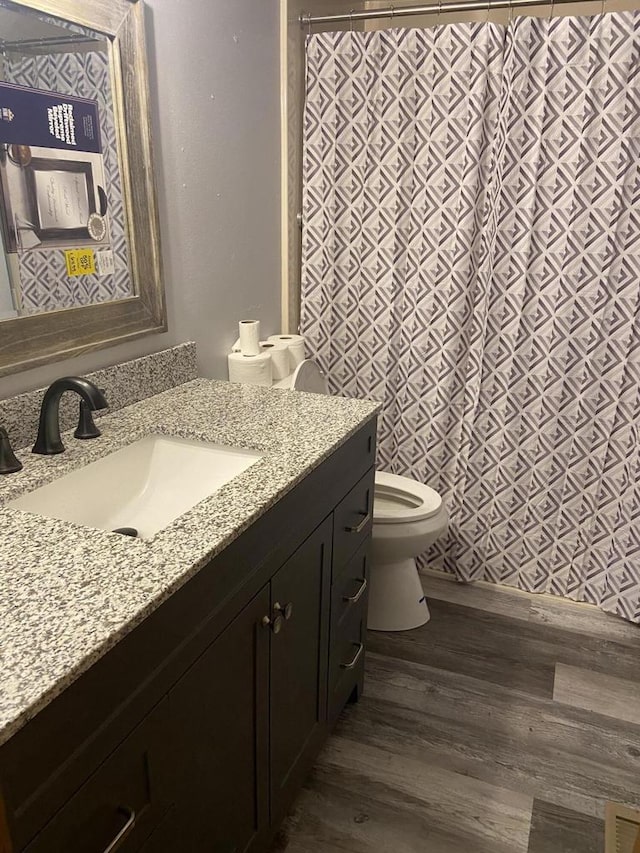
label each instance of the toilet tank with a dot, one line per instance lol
(308, 377)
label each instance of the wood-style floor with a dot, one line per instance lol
(501, 726)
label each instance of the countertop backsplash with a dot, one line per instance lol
(123, 384)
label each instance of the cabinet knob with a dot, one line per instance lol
(275, 624)
(285, 609)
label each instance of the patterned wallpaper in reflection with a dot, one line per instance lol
(45, 285)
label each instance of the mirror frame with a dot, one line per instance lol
(38, 339)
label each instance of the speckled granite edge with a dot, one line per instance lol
(70, 593)
(123, 384)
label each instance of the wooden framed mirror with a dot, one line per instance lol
(78, 209)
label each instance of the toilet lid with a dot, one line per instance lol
(308, 377)
(400, 499)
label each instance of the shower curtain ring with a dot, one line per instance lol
(510, 11)
(392, 11)
(439, 12)
(488, 12)
(551, 10)
(602, 10)
(350, 20)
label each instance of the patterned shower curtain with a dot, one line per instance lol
(471, 258)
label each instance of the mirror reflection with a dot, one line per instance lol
(62, 214)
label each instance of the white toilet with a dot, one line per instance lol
(407, 517)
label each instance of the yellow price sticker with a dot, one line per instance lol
(80, 261)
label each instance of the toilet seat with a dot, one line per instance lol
(397, 500)
(400, 500)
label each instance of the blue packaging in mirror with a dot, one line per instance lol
(36, 117)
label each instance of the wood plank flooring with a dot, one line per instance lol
(605, 694)
(501, 726)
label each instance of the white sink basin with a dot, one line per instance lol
(143, 486)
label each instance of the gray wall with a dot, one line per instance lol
(215, 102)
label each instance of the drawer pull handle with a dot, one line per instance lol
(360, 527)
(124, 832)
(355, 660)
(352, 599)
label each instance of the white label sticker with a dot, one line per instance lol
(104, 262)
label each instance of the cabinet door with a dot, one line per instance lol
(299, 659)
(219, 715)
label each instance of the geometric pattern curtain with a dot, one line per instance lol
(471, 258)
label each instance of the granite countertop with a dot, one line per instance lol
(69, 593)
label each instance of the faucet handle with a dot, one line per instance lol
(86, 427)
(9, 464)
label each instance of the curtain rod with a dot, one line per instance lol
(391, 12)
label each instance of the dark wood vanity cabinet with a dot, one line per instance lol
(250, 714)
(299, 660)
(196, 731)
(218, 731)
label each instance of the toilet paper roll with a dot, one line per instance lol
(295, 343)
(249, 337)
(250, 369)
(279, 358)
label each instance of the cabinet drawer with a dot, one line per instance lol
(346, 658)
(352, 520)
(166, 837)
(124, 799)
(349, 589)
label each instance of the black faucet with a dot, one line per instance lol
(48, 440)
(8, 462)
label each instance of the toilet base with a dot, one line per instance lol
(396, 599)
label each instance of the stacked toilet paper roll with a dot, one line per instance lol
(279, 352)
(248, 362)
(250, 369)
(295, 345)
(249, 337)
(259, 362)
